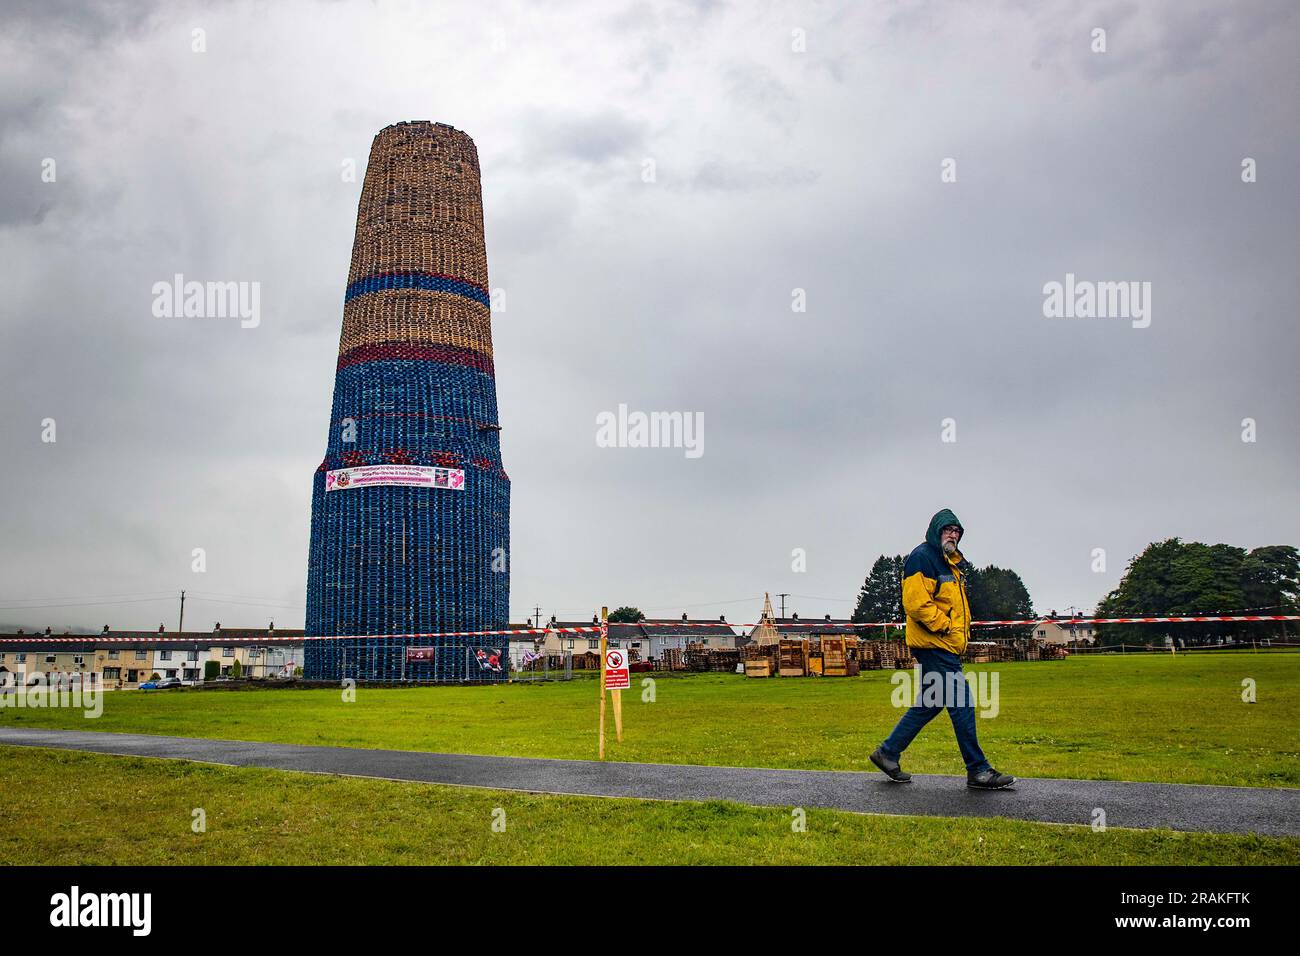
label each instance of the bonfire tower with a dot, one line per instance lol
(410, 530)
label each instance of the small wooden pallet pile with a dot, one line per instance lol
(793, 657)
(758, 667)
(724, 661)
(696, 658)
(673, 659)
(834, 659)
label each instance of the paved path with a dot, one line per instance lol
(1270, 811)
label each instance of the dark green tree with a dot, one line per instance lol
(1176, 578)
(626, 615)
(998, 594)
(1270, 578)
(881, 597)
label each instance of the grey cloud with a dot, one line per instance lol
(718, 175)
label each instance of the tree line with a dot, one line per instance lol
(1170, 578)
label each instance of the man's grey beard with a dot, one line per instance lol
(949, 547)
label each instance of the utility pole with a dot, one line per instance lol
(537, 616)
(783, 596)
(181, 625)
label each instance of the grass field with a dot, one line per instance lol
(1151, 718)
(60, 807)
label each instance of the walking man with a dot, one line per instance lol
(938, 627)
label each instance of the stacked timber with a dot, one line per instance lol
(793, 657)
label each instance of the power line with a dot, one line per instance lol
(250, 597)
(88, 597)
(37, 607)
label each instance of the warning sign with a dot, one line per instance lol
(616, 672)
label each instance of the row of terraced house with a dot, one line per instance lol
(127, 659)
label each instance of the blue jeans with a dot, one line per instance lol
(961, 708)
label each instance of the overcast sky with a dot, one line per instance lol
(794, 146)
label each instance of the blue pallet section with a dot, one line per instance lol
(380, 660)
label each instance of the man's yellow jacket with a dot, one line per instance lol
(934, 592)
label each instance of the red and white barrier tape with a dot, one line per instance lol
(215, 641)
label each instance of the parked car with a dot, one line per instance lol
(167, 682)
(149, 685)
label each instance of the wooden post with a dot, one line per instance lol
(618, 712)
(604, 641)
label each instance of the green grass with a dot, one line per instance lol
(1150, 718)
(61, 807)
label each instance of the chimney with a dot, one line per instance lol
(217, 628)
(161, 629)
(105, 631)
(595, 618)
(794, 616)
(828, 618)
(722, 618)
(683, 615)
(47, 632)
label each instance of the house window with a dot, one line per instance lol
(1042, 633)
(78, 659)
(571, 643)
(164, 655)
(20, 657)
(593, 644)
(227, 652)
(112, 655)
(254, 652)
(112, 673)
(141, 655)
(191, 655)
(49, 658)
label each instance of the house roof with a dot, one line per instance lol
(809, 626)
(676, 627)
(143, 640)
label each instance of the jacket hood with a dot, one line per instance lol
(940, 521)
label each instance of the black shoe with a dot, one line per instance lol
(989, 780)
(889, 768)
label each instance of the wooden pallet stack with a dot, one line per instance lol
(793, 657)
(885, 654)
(724, 661)
(834, 657)
(696, 658)
(673, 659)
